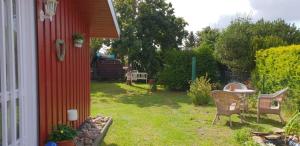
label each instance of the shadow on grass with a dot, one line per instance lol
(265, 120)
(137, 94)
(155, 99)
(139, 87)
(107, 88)
(250, 122)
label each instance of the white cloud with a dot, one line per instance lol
(202, 13)
(219, 13)
(274, 9)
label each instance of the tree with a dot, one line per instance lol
(149, 29)
(208, 35)
(233, 47)
(191, 41)
(238, 43)
(127, 44)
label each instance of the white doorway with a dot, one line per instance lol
(18, 85)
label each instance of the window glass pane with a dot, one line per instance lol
(18, 117)
(9, 125)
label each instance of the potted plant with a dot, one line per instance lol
(63, 135)
(78, 40)
(153, 85)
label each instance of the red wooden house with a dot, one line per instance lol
(42, 73)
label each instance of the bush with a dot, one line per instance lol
(200, 91)
(277, 68)
(62, 132)
(177, 71)
(243, 135)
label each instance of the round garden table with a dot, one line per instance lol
(243, 93)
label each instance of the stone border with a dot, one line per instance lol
(103, 132)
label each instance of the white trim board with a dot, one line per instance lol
(113, 13)
(28, 57)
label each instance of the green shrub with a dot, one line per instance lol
(243, 135)
(62, 132)
(200, 91)
(177, 71)
(277, 68)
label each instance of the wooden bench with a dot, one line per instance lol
(135, 75)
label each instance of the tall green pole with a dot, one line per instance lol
(194, 68)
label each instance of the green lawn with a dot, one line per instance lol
(164, 118)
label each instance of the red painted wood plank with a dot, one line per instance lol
(48, 79)
(58, 67)
(68, 77)
(53, 71)
(41, 76)
(64, 79)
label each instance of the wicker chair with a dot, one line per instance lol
(227, 104)
(271, 103)
(235, 85)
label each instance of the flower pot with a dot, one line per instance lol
(78, 43)
(66, 143)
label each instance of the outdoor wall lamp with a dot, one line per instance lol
(72, 115)
(50, 10)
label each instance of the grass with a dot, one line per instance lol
(164, 118)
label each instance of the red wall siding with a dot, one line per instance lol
(62, 85)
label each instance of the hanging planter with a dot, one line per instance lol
(78, 40)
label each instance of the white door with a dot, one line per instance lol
(18, 101)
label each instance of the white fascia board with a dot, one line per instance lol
(113, 13)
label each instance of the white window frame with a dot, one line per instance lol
(27, 74)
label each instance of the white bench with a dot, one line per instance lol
(135, 75)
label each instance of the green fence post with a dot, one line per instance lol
(194, 68)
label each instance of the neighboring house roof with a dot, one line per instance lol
(101, 18)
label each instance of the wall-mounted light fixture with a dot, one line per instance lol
(72, 115)
(50, 10)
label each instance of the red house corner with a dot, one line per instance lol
(66, 85)
(42, 73)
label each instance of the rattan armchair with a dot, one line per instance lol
(271, 103)
(227, 104)
(237, 85)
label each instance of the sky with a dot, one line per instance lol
(219, 13)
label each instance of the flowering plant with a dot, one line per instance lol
(62, 132)
(78, 36)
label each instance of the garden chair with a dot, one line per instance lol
(227, 104)
(236, 85)
(271, 103)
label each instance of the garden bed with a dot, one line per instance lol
(93, 131)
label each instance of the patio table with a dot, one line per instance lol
(244, 93)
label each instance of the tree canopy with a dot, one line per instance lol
(149, 28)
(238, 43)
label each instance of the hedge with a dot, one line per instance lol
(277, 68)
(177, 71)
